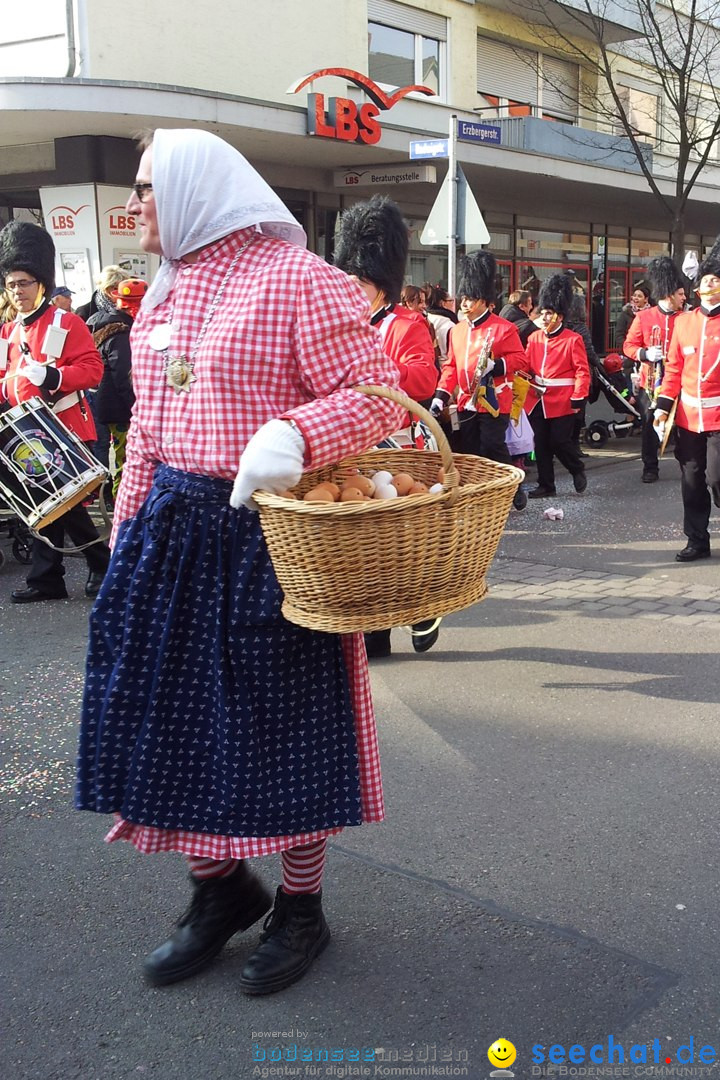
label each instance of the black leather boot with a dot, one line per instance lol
(220, 907)
(294, 933)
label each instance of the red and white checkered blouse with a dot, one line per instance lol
(288, 339)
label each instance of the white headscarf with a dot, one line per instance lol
(205, 189)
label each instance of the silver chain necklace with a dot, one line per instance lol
(179, 369)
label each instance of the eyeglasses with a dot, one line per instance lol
(25, 283)
(142, 191)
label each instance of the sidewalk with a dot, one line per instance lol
(546, 872)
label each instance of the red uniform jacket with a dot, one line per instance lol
(692, 370)
(406, 340)
(641, 336)
(79, 364)
(465, 342)
(559, 363)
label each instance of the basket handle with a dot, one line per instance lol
(452, 480)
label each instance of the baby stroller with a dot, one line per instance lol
(17, 531)
(609, 379)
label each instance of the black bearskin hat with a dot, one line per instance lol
(664, 277)
(711, 262)
(556, 294)
(28, 247)
(372, 243)
(478, 273)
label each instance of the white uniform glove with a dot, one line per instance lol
(653, 354)
(488, 369)
(659, 424)
(436, 406)
(271, 461)
(35, 372)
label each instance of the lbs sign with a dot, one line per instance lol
(341, 117)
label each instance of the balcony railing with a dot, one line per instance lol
(552, 139)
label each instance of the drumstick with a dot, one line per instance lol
(18, 374)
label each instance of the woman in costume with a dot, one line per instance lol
(211, 726)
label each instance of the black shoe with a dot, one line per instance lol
(540, 492)
(294, 933)
(425, 634)
(691, 553)
(377, 644)
(520, 499)
(650, 476)
(32, 595)
(580, 482)
(220, 907)
(93, 583)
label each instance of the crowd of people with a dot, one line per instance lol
(211, 726)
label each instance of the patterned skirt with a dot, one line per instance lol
(210, 724)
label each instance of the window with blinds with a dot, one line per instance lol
(404, 17)
(559, 82)
(506, 72)
(406, 45)
(520, 81)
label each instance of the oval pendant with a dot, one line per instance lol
(159, 337)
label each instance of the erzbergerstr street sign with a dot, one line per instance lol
(471, 131)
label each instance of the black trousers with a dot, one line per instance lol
(699, 458)
(649, 442)
(47, 571)
(554, 438)
(482, 435)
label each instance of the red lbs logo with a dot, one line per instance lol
(62, 218)
(343, 118)
(119, 221)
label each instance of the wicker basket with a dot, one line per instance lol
(347, 567)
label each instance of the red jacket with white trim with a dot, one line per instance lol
(406, 340)
(559, 363)
(465, 342)
(79, 365)
(692, 371)
(649, 324)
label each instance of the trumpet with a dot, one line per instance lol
(658, 369)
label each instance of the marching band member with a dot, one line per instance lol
(48, 353)
(647, 343)
(372, 246)
(211, 725)
(484, 353)
(557, 360)
(692, 378)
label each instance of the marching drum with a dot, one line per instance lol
(44, 468)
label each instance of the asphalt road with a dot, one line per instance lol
(547, 872)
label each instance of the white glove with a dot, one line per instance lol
(653, 354)
(436, 406)
(659, 424)
(271, 461)
(34, 371)
(488, 369)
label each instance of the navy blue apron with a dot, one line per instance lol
(204, 709)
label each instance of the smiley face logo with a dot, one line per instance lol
(502, 1054)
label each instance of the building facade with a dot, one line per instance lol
(308, 92)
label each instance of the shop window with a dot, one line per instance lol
(406, 45)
